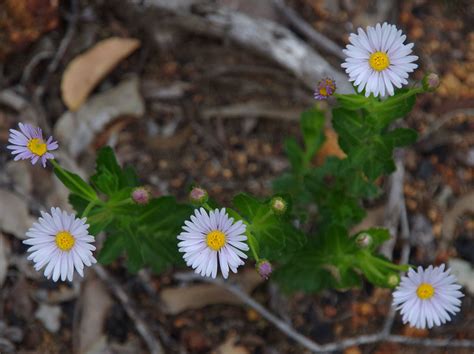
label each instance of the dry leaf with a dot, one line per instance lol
(229, 347)
(179, 299)
(86, 70)
(77, 130)
(330, 148)
(14, 216)
(96, 303)
(463, 205)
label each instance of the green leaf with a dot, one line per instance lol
(325, 262)
(295, 155)
(110, 177)
(312, 126)
(274, 235)
(379, 235)
(350, 128)
(75, 184)
(113, 247)
(400, 137)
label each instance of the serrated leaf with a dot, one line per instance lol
(312, 127)
(273, 235)
(400, 137)
(295, 155)
(112, 248)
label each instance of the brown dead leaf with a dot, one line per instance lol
(374, 218)
(96, 303)
(330, 148)
(86, 70)
(463, 205)
(229, 346)
(179, 299)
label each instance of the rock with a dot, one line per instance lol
(77, 130)
(14, 216)
(50, 316)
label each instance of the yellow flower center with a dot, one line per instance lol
(425, 291)
(37, 146)
(379, 61)
(215, 240)
(323, 91)
(64, 240)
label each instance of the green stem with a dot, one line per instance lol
(253, 248)
(60, 172)
(89, 208)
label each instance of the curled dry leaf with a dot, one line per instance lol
(96, 303)
(76, 131)
(330, 147)
(229, 346)
(463, 205)
(178, 299)
(14, 216)
(86, 70)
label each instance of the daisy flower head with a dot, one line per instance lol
(211, 239)
(427, 297)
(377, 59)
(28, 143)
(326, 87)
(62, 243)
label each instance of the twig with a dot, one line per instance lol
(318, 39)
(259, 35)
(153, 344)
(392, 210)
(310, 344)
(445, 118)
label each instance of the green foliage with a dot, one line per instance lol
(275, 236)
(328, 199)
(309, 242)
(146, 234)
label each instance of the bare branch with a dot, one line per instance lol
(153, 344)
(318, 39)
(265, 37)
(330, 347)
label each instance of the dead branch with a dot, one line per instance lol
(318, 39)
(265, 37)
(251, 110)
(393, 208)
(153, 344)
(309, 344)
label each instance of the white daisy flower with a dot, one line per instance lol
(428, 297)
(28, 143)
(378, 60)
(213, 238)
(61, 242)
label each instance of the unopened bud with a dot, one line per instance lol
(393, 280)
(326, 87)
(279, 205)
(141, 195)
(364, 240)
(198, 195)
(431, 82)
(264, 268)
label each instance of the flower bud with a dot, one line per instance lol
(264, 268)
(431, 82)
(326, 87)
(363, 240)
(393, 280)
(141, 195)
(198, 195)
(278, 205)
